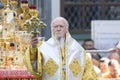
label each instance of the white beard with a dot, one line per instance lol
(61, 42)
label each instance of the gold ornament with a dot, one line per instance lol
(33, 24)
(5, 3)
(13, 3)
(33, 11)
(24, 6)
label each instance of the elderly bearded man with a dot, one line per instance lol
(59, 58)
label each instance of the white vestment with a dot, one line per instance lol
(74, 58)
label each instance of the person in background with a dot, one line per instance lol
(88, 44)
(104, 65)
(115, 56)
(96, 62)
(114, 68)
(59, 58)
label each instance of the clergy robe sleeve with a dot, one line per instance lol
(33, 62)
(89, 73)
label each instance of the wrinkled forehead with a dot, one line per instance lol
(59, 21)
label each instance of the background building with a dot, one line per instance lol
(79, 13)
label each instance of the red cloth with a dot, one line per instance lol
(18, 73)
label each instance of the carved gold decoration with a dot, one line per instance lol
(33, 11)
(33, 24)
(13, 3)
(25, 15)
(5, 3)
(50, 67)
(75, 67)
(24, 6)
(8, 20)
(16, 26)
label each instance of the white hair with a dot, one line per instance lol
(60, 18)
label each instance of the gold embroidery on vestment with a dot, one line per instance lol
(50, 67)
(75, 67)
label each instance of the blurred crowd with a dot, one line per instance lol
(105, 66)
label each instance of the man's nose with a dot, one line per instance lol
(58, 27)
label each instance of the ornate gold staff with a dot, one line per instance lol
(33, 24)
